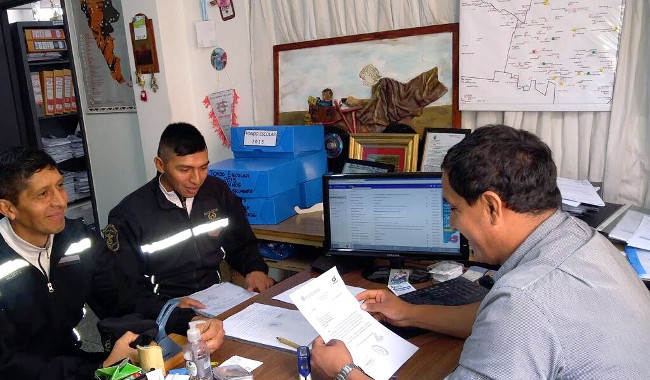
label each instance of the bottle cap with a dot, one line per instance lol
(194, 334)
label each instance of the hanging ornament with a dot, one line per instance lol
(218, 59)
(140, 81)
(223, 114)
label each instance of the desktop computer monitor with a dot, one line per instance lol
(396, 216)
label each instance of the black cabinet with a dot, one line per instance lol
(44, 66)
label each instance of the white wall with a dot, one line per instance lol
(114, 147)
(186, 76)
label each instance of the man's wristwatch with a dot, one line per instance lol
(345, 371)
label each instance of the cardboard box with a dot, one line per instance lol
(271, 210)
(310, 192)
(276, 141)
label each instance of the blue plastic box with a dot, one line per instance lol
(271, 210)
(276, 141)
(310, 192)
(254, 177)
(266, 177)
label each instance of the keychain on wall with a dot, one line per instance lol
(153, 83)
(226, 8)
(140, 81)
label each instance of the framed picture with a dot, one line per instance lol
(398, 149)
(364, 83)
(437, 142)
(352, 166)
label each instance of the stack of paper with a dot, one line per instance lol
(263, 324)
(81, 185)
(68, 185)
(221, 297)
(57, 148)
(76, 145)
(576, 191)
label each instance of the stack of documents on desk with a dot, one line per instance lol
(633, 229)
(335, 313)
(639, 260)
(220, 297)
(574, 192)
(263, 324)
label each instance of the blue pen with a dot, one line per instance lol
(304, 367)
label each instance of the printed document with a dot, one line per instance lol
(579, 191)
(641, 237)
(284, 296)
(627, 226)
(336, 314)
(263, 324)
(220, 297)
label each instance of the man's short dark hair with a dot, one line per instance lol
(17, 165)
(182, 139)
(513, 163)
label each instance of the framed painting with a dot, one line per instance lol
(367, 82)
(398, 149)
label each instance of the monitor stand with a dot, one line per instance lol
(381, 273)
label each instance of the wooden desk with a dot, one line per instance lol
(437, 357)
(305, 229)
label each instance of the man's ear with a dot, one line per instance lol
(494, 205)
(160, 164)
(7, 209)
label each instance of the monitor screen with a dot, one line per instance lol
(394, 215)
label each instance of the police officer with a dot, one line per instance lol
(172, 233)
(49, 267)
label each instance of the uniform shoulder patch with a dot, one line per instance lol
(111, 237)
(211, 214)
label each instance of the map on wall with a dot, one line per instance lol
(538, 55)
(104, 55)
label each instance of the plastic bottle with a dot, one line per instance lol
(196, 354)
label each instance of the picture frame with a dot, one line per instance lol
(399, 149)
(306, 70)
(437, 142)
(353, 166)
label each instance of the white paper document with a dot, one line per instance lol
(220, 297)
(641, 237)
(627, 226)
(579, 191)
(336, 314)
(284, 296)
(247, 364)
(436, 147)
(263, 324)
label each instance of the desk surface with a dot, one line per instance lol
(437, 355)
(305, 229)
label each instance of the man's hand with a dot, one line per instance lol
(211, 332)
(122, 350)
(258, 281)
(328, 359)
(187, 302)
(385, 306)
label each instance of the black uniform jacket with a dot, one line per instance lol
(180, 254)
(36, 337)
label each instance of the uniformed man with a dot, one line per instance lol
(172, 233)
(49, 268)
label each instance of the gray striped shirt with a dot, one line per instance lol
(565, 305)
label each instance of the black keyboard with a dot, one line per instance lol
(458, 291)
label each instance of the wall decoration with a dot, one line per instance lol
(218, 59)
(437, 142)
(104, 56)
(539, 55)
(398, 149)
(366, 82)
(144, 44)
(223, 113)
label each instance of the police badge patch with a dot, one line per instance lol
(211, 214)
(111, 237)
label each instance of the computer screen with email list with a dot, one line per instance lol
(397, 215)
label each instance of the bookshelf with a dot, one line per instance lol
(48, 88)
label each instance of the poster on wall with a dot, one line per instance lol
(518, 55)
(103, 49)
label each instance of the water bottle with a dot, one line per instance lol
(196, 354)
